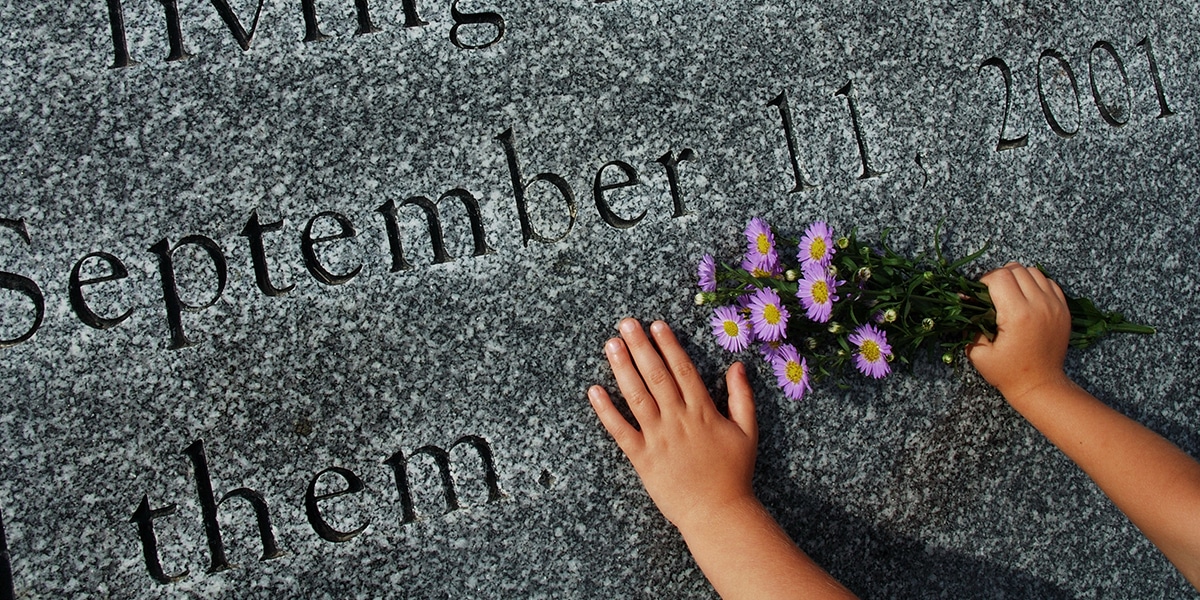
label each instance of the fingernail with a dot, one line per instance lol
(612, 346)
(593, 394)
(658, 327)
(628, 325)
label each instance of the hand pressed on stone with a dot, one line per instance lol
(693, 461)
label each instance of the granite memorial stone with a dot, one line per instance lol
(300, 299)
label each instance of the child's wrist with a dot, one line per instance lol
(1022, 394)
(716, 514)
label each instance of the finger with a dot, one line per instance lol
(977, 347)
(741, 400)
(1054, 287)
(1003, 288)
(683, 370)
(644, 408)
(1028, 283)
(630, 440)
(1042, 281)
(658, 379)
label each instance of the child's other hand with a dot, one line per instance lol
(1033, 328)
(692, 460)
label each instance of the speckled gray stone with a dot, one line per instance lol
(926, 485)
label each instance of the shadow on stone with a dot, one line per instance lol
(877, 564)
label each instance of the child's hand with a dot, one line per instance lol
(1033, 327)
(692, 460)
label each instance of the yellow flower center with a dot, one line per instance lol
(795, 372)
(820, 292)
(731, 330)
(757, 272)
(870, 351)
(764, 244)
(817, 249)
(771, 314)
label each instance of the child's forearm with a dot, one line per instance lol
(1149, 479)
(745, 554)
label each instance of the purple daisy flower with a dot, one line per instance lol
(731, 328)
(817, 245)
(816, 292)
(791, 372)
(768, 315)
(707, 272)
(873, 351)
(770, 350)
(760, 245)
(761, 269)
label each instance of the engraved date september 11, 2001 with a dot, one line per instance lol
(1058, 96)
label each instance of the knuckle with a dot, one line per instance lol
(639, 398)
(658, 377)
(684, 371)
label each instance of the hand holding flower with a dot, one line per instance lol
(1033, 326)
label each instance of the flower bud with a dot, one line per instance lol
(705, 298)
(890, 357)
(927, 324)
(792, 275)
(890, 315)
(832, 271)
(843, 242)
(928, 275)
(948, 358)
(842, 353)
(811, 343)
(836, 328)
(864, 274)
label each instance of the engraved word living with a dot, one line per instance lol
(313, 33)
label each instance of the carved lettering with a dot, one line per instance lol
(599, 188)
(354, 485)
(209, 505)
(789, 135)
(1111, 114)
(482, 18)
(412, 16)
(388, 210)
(116, 272)
(144, 517)
(166, 270)
(1163, 109)
(671, 164)
(312, 30)
(116, 17)
(399, 465)
(1005, 143)
(258, 254)
(308, 248)
(6, 575)
(235, 26)
(520, 187)
(23, 285)
(1047, 112)
(434, 221)
(868, 172)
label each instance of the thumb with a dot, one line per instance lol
(741, 400)
(980, 346)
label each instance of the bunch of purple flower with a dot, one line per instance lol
(839, 303)
(761, 315)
